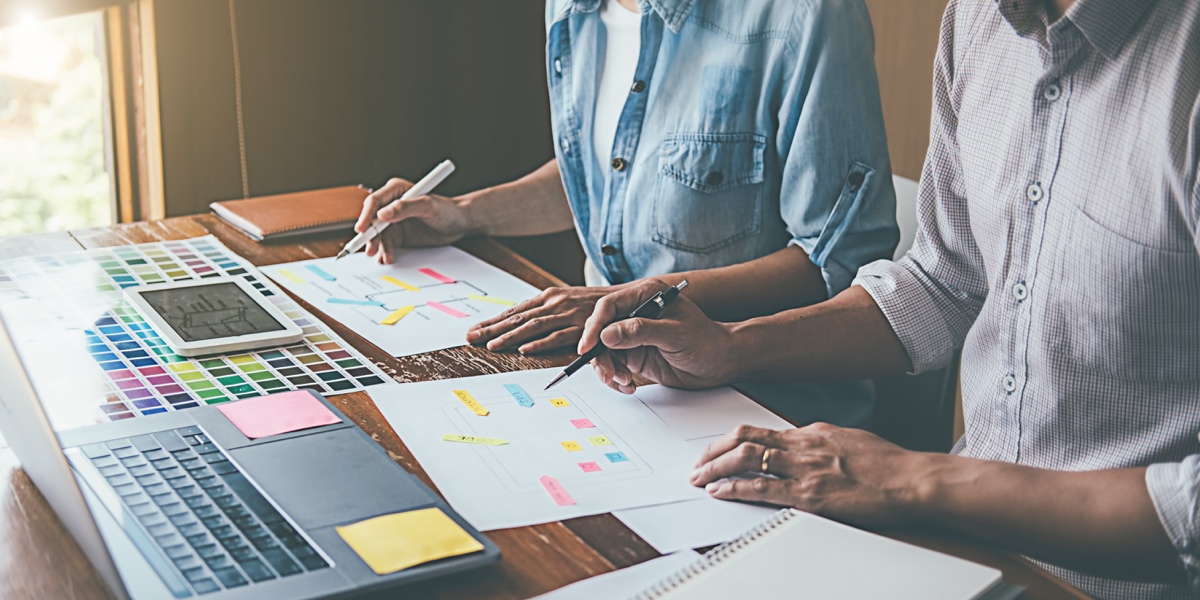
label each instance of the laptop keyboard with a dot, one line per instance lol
(201, 511)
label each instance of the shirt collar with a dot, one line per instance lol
(672, 12)
(1107, 24)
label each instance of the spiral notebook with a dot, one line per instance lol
(794, 554)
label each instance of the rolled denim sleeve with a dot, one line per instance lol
(1175, 490)
(836, 193)
(933, 295)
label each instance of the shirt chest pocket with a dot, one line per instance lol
(709, 190)
(1126, 309)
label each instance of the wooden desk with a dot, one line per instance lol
(38, 559)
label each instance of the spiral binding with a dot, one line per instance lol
(717, 555)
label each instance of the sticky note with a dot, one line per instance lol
(446, 309)
(492, 299)
(278, 413)
(353, 301)
(471, 402)
(292, 276)
(589, 467)
(473, 439)
(435, 275)
(599, 440)
(559, 402)
(396, 316)
(571, 446)
(582, 423)
(557, 492)
(398, 541)
(400, 284)
(321, 273)
(616, 457)
(518, 394)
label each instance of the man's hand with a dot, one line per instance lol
(847, 474)
(683, 348)
(552, 319)
(429, 220)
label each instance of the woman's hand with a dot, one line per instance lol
(429, 220)
(552, 319)
(847, 474)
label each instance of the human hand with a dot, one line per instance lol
(847, 474)
(429, 220)
(552, 319)
(682, 348)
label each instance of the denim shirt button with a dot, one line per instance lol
(856, 181)
(714, 178)
(558, 66)
(618, 163)
(608, 250)
(638, 87)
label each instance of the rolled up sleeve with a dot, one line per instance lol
(1175, 490)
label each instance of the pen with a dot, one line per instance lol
(650, 309)
(422, 187)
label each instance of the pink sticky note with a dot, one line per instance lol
(277, 413)
(582, 423)
(557, 492)
(446, 309)
(435, 275)
(589, 467)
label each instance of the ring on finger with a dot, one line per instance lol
(766, 461)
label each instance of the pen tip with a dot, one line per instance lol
(340, 255)
(557, 379)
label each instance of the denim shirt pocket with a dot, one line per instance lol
(709, 190)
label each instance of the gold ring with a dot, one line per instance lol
(766, 461)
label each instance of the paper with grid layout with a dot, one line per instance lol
(624, 456)
(68, 316)
(424, 301)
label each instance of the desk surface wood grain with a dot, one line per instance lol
(38, 559)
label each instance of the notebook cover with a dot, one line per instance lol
(296, 213)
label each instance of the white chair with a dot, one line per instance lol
(906, 213)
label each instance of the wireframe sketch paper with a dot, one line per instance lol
(426, 300)
(579, 449)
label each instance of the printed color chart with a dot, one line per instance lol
(143, 375)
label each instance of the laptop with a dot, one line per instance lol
(182, 505)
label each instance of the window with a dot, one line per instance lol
(53, 174)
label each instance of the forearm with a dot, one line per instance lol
(777, 282)
(846, 337)
(1098, 522)
(535, 204)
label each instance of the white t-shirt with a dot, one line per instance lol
(621, 52)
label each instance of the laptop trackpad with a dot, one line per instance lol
(331, 478)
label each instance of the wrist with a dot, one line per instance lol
(923, 481)
(469, 211)
(742, 340)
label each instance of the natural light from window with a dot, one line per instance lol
(52, 168)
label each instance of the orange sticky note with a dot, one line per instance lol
(278, 413)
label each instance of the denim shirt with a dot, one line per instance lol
(750, 125)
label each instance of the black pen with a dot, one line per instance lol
(650, 309)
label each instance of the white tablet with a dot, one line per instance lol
(213, 316)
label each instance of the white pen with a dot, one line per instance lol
(421, 188)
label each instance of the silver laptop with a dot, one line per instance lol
(181, 504)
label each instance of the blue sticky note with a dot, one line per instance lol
(321, 273)
(616, 457)
(519, 394)
(353, 301)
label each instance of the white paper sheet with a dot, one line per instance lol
(496, 487)
(467, 286)
(624, 583)
(700, 417)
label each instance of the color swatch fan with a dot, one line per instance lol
(68, 316)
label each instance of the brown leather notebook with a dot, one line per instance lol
(299, 213)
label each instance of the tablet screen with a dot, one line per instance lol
(209, 312)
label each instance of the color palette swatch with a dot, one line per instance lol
(144, 375)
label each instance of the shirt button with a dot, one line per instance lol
(618, 163)
(1010, 383)
(1034, 192)
(856, 181)
(1020, 291)
(638, 87)
(714, 178)
(565, 145)
(1052, 92)
(558, 66)
(608, 250)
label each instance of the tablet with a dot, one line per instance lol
(212, 316)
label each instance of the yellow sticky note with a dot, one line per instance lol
(599, 440)
(473, 439)
(396, 316)
(492, 299)
(396, 542)
(294, 278)
(559, 402)
(571, 446)
(400, 284)
(471, 403)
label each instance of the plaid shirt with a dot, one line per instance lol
(1059, 249)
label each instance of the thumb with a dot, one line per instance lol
(635, 333)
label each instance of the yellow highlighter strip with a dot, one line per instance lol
(473, 439)
(401, 284)
(492, 299)
(396, 316)
(471, 402)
